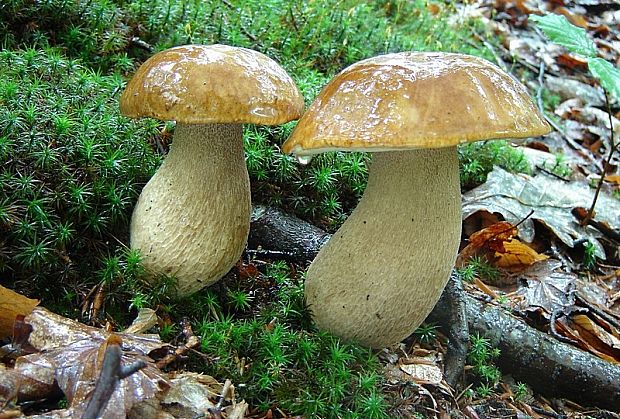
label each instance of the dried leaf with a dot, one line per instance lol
(517, 256)
(575, 19)
(565, 328)
(51, 331)
(12, 305)
(586, 323)
(514, 196)
(27, 382)
(423, 372)
(487, 241)
(70, 357)
(493, 237)
(569, 88)
(78, 365)
(189, 397)
(145, 319)
(543, 286)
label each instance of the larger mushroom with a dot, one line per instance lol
(382, 272)
(192, 218)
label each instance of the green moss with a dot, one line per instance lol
(275, 357)
(72, 171)
(477, 160)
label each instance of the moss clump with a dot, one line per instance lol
(477, 160)
(93, 31)
(257, 332)
(71, 174)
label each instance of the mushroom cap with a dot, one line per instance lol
(199, 84)
(416, 100)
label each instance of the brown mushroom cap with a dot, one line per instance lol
(416, 100)
(199, 84)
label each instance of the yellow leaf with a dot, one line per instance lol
(517, 256)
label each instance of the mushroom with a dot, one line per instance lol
(192, 218)
(382, 272)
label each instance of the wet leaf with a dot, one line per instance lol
(586, 323)
(422, 370)
(515, 196)
(145, 319)
(70, 360)
(493, 237)
(51, 331)
(78, 366)
(543, 286)
(497, 244)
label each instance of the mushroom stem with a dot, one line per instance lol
(395, 251)
(193, 217)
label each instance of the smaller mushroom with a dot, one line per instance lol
(192, 218)
(382, 272)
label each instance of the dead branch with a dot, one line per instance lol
(547, 365)
(273, 230)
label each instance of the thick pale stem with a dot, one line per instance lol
(192, 218)
(382, 272)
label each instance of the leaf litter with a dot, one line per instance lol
(66, 357)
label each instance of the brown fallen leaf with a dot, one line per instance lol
(565, 328)
(487, 241)
(544, 286)
(517, 256)
(497, 243)
(422, 370)
(515, 196)
(13, 304)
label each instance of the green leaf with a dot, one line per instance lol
(608, 75)
(562, 32)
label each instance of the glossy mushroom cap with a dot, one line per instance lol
(415, 100)
(381, 273)
(199, 84)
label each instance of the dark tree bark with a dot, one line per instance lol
(450, 313)
(546, 364)
(549, 366)
(273, 230)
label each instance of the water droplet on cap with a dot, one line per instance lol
(304, 159)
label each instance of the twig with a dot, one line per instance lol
(217, 410)
(191, 342)
(607, 165)
(547, 413)
(541, 85)
(582, 215)
(112, 372)
(141, 44)
(554, 332)
(602, 314)
(550, 173)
